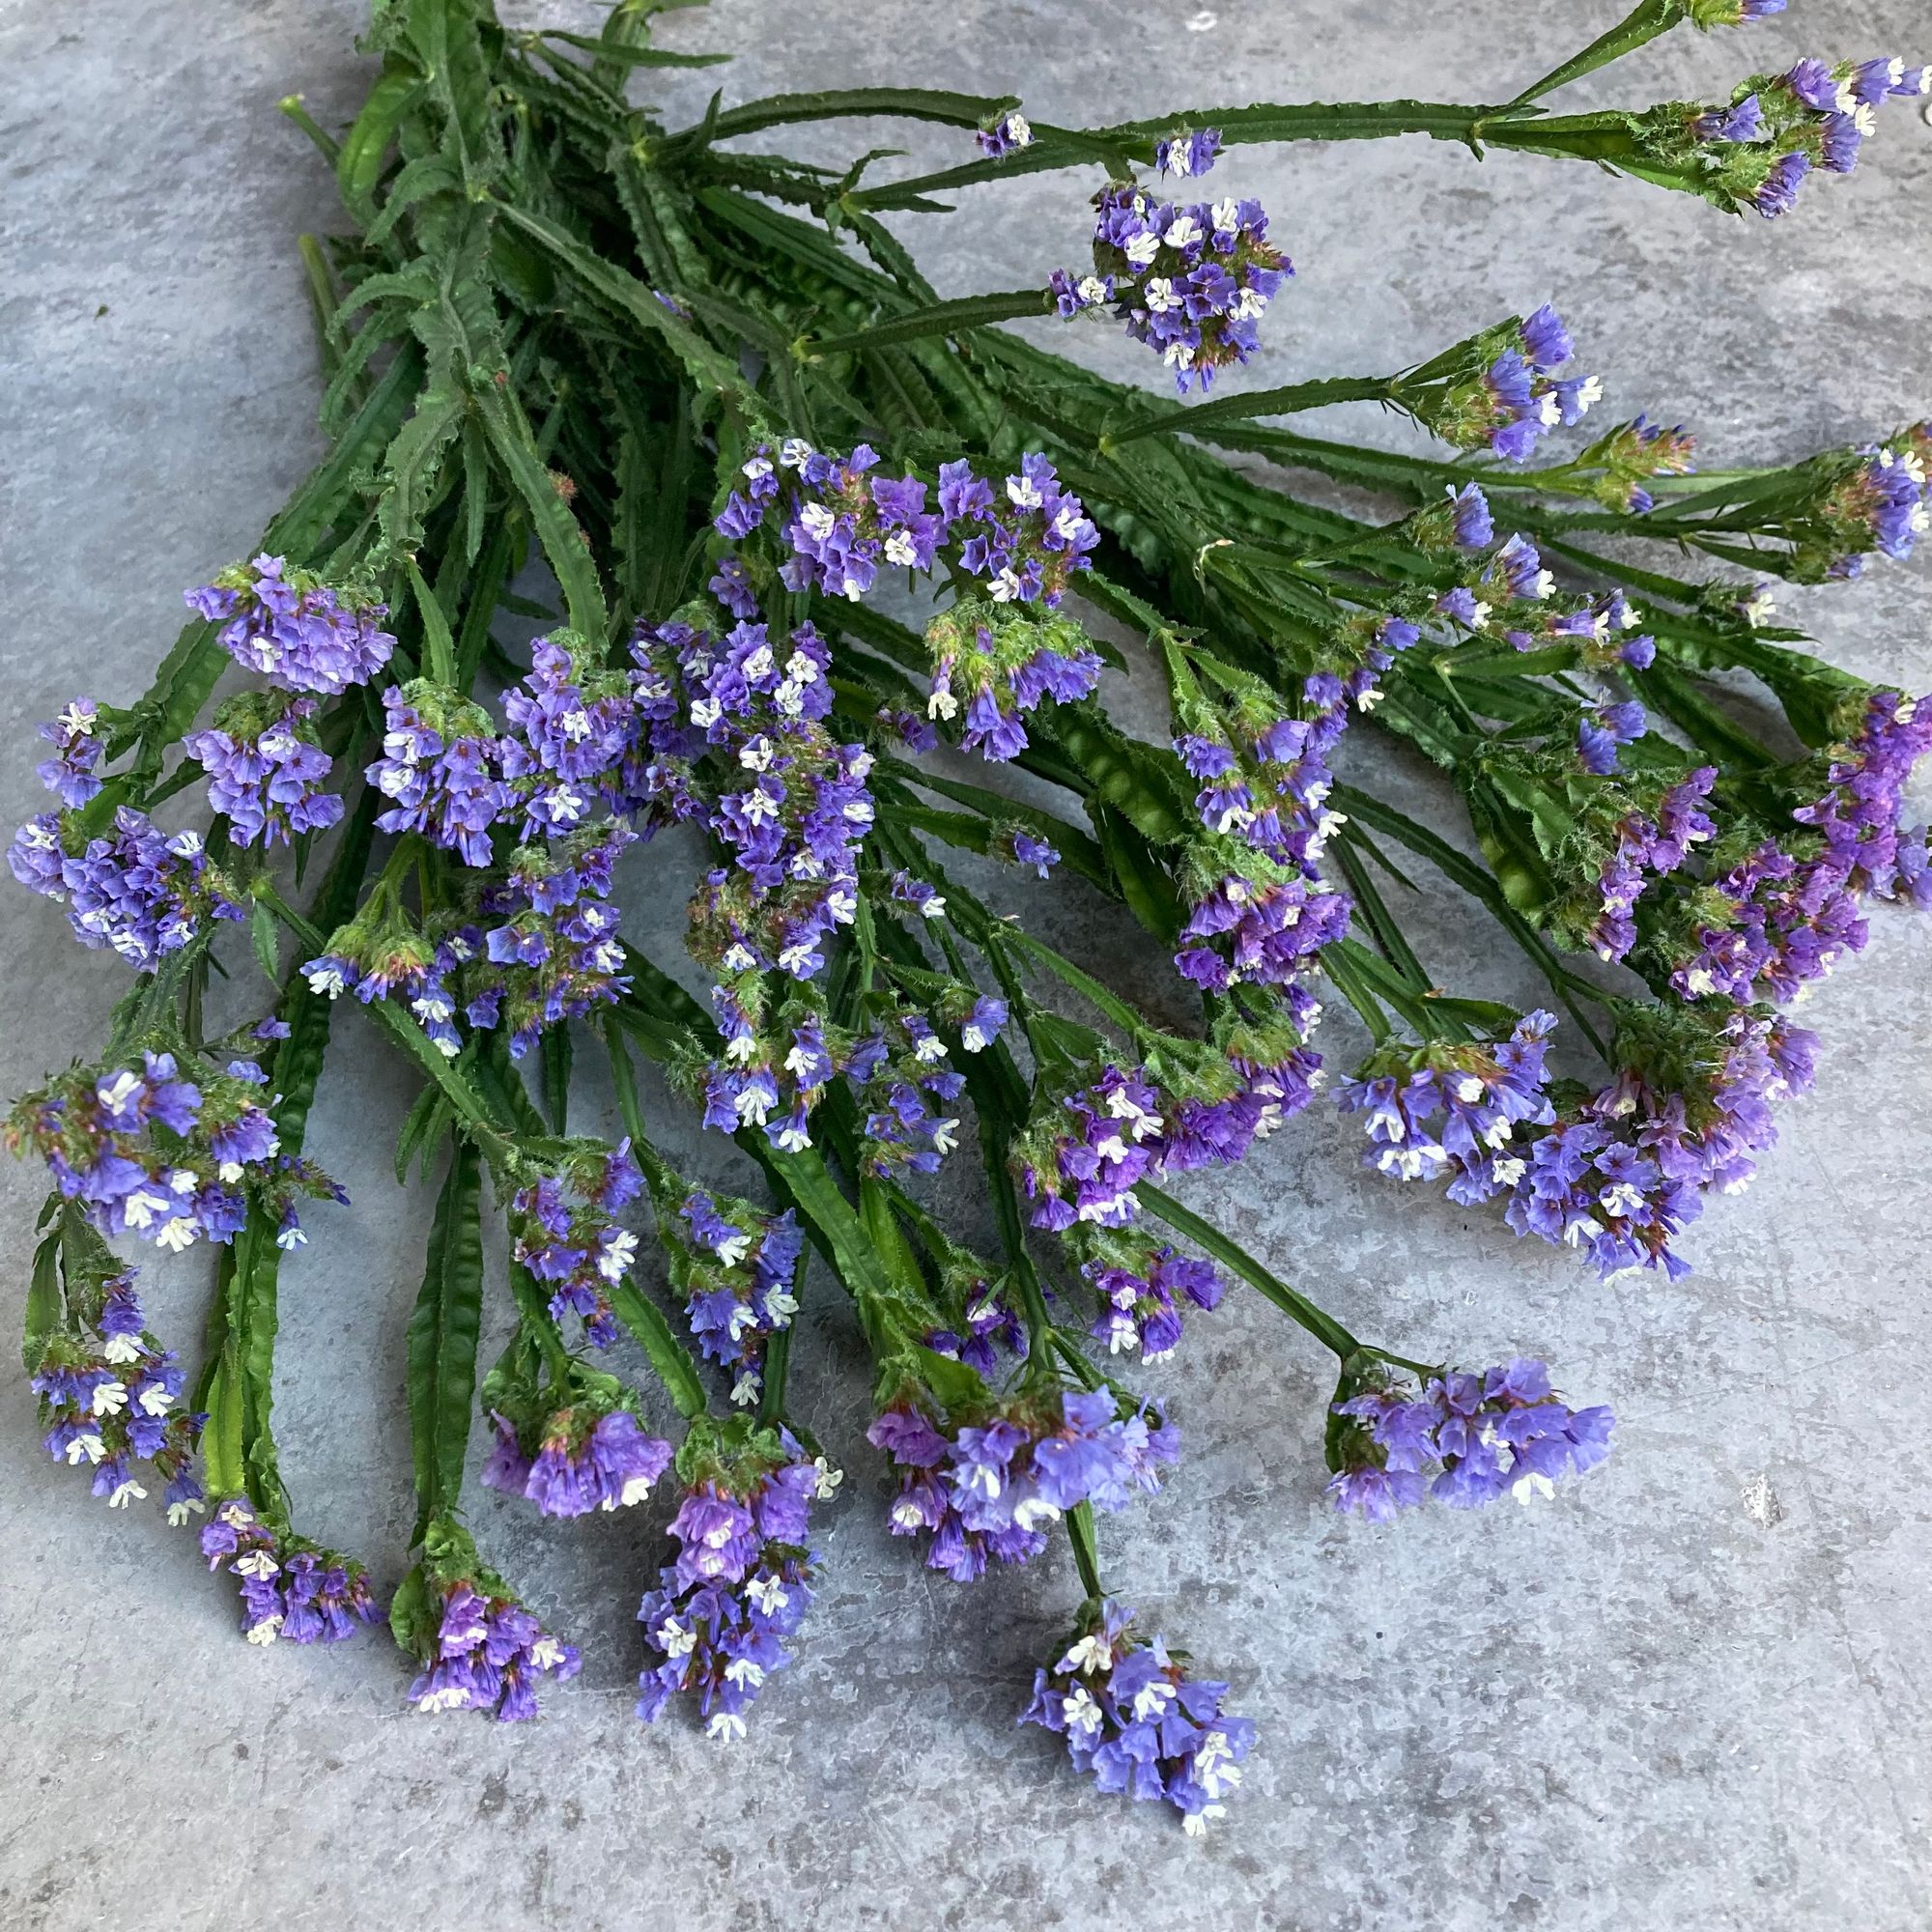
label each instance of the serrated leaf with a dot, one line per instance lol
(43, 1302)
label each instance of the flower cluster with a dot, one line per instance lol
(1623, 1175)
(441, 766)
(545, 948)
(1482, 1093)
(1649, 847)
(572, 1460)
(1792, 916)
(109, 1397)
(145, 1150)
(293, 629)
(1141, 1286)
(1517, 397)
(999, 665)
(71, 774)
(1636, 454)
(142, 893)
(291, 1590)
(733, 1267)
(740, 1586)
(1500, 1433)
(1191, 282)
(1884, 502)
(1757, 150)
(1006, 135)
(1024, 543)
(568, 738)
(1131, 1715)
(264, 770)
(846, 524)
(562, 1229)
(992, 1488)
(486, 1652)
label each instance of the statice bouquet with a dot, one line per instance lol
(827, 560)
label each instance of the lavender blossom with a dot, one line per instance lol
(293, 629)
(1133, 1717)
(292, 1590)
(264, 771)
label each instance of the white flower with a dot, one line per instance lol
(944, 1138)
(1182, 232)
(1150, 1700)
(725, 1726)
(1081, 1712)
(1140, 249)
(326, 979)
(819, 522)
(941, 704)
(1017, 131)
(1093, 1652)
(255, 1563)
(673, 1638)
(126, 1493)
(114, 1094)
(619, 1250)
(545, 1652)
(271, 1627)
(768, 1593)
(121, 1350)
(1159, 295)
(109, 1397)
(155, 1400)
(178, 1513)
(1226, 214)
(86, 1449)
(742, 1670)
(178, 1236)
(901, 549)
(794, 452)
(1195, 1824)
(829, 1478)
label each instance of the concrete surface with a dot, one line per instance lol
(1695, 1690)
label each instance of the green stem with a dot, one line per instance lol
(1086, 1551)
(1283, 402)
(947, 317)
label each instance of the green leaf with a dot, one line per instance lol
(43, 1302)
(412, 468)
(443, 1339)
(616, 54)
(263, 936)
(438, 646)
(358, 166)
(556, 529)
(665, 1353)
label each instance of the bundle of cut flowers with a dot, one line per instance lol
(831, 561)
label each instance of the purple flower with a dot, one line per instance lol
(1133, 1717)
(265, 773)
(486, 1654)
(291, 1589)
(295, 630)
(69, 774)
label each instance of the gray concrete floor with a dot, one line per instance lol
(1696, 1689)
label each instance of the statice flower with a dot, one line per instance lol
(1480, 1091)
(1133, 1717)
(745, 507)
(562, 1229)
(1261, 931)
(1106, 1137)
(544, 947)
(1884, 502)
(990, 1488)
(1465, 1440)
(486, 1653)
(1188, 152)
(1021, 847)
(1636, 454)
(1006, 135)
(1515, 397)
(71, 774)
(1605, 728)
(1142, 1287)
(1191, 282)
(1649, 848)
(847, 524)
(723, 1612)
(440, 765)
(292, 1590)
(569, 734)
(111, 1399)
(137, 890)
(146, 1151)
(293, 629)
(996, 664)
(1794, 915)
(264, 770)
(734, 1268)
(1025, 542)
(987, 1323)
(575, 1459)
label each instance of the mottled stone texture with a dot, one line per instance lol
(1693, 1690)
